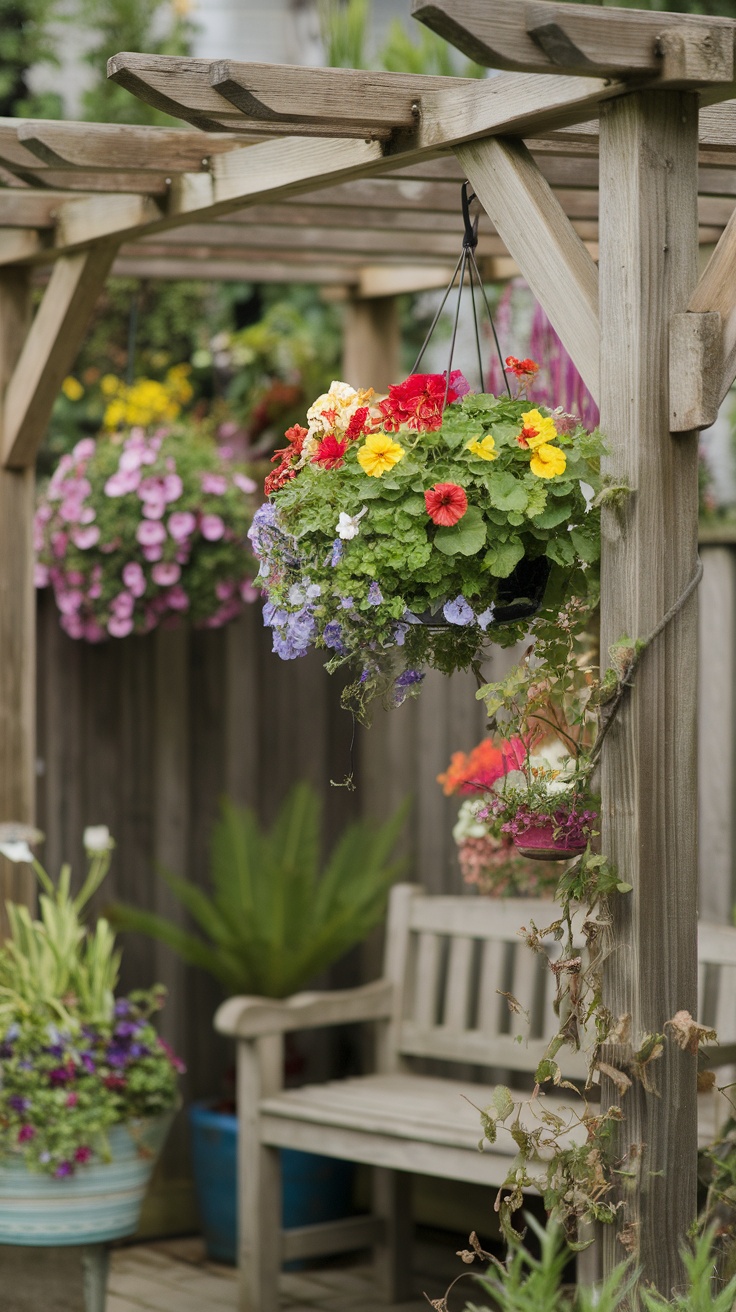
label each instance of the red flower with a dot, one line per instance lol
(295, 437)
(358, 424)
(82, 1154)
(446, 503)
(114, 1082)
(419, 401)
(524, 435)
(521, 368)
(331, 452)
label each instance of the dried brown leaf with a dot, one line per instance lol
(515, 1006)
(628, 1236)
(706, 1081)
(687, 1033)
(619, 1078)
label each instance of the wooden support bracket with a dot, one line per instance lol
(696, 365)
(49, 350)
(540, 237)
(716, 291)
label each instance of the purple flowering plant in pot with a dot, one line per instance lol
(146, 526)
(87, 1086)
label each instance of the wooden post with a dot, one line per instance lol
(648, 246)
(371, 342)
(17, 613)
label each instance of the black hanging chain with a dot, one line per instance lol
(466, 264)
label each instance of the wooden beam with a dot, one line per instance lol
(114, 146)
(131, 263)
(716, 290)
(538, 36)
(49, 350)
(696, 366)
(17, 615)
(649, 782)
(539, 236)
(272, 170)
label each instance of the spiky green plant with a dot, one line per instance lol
(56, 963)
(276, 915)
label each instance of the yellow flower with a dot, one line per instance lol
(548, 461)
(537, 429)
(483, 447)
(115, 414)
(110, 385)
(72, 389)
(379, 453)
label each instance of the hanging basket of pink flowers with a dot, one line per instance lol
(146, 527)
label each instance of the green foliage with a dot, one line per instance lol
(151, 25)
(26, 41)
(57, 963)
(423, 52)
(277, 914)
(344, 28)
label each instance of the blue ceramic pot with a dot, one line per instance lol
(314, 1188)
(100, 1202)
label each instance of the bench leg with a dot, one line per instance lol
(393, 1256)
(259, 1183)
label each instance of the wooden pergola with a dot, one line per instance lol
(603, 159)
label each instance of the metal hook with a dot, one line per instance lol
(470, 238)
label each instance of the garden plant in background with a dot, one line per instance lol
(87, 1087)
(146, 525)
(279, 914)
(410, 531)
(488, 859)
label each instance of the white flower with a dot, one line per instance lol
(348, 526)
(96, 838)
(589, 494)
(16, 850)
(468, 825)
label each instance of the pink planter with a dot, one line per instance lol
(538, 843)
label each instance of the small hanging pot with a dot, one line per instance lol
(538, 843)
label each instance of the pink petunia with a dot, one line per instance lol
(59, 544)
(93, 632)
(130, 459)
(123, 605)
(214, 483)
(84, 449)
(150, 533)
(244, 483)
(70, 510)
(134, 578)
(224, 589)
(212, 528)
(88, 515)
(248, 592)
(69, 601)
(75, 577)
(177, 599)
(118, 627)
(153, 553)
(41, 575)
(154, 509)
(26, 1133)
(181, 524)
(173, 487)
(86, 537)
(72, 625)
(125, 480)
(44, 513)
(94, 591)
(166, 573)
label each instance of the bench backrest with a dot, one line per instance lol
(453, 958)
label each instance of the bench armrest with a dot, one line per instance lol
(251, 1017)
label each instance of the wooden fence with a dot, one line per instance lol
(146, 734)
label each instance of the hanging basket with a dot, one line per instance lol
(538, 843)
(518, 597)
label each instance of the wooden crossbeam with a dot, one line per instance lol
(540, 237)
(114, 146)
(272, 170)
(271, 97)
(544, 37)
(49, 351)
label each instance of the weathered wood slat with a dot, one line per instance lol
(716, 291)
(570, 38)
(49, 350)
(648, 164)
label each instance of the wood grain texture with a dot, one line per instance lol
(717, 679)
(696, 368)
(17, 614)
(647, 273)
(538, 234)
(49, 350)
(569, 38)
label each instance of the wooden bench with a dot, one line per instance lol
(447, 962)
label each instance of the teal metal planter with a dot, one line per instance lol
(100, 1202)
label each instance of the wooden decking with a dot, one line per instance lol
(174, 1276)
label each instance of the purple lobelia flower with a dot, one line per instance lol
(375, 596)
(18, 1103)
(332, 637)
